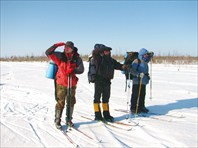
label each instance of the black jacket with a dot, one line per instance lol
(106, 66)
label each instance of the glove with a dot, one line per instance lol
(151, 54)
(70, 70)
(141, 75)
(147, 74)
(59, 44)
(125, 67)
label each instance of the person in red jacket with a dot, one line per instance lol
(69, 63)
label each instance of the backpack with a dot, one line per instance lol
(128, 59)
(93, 60)
(92, 71)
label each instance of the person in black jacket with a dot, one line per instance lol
(105, 66)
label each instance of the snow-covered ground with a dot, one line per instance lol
(27, 110)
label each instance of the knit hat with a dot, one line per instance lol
(69, 44)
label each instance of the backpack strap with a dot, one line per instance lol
(139, 61)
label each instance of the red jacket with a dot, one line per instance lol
(63, 64)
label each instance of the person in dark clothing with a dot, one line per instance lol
(105, 66)
(69, 63)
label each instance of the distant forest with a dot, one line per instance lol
(157, 59)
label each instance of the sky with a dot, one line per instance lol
(164, 27)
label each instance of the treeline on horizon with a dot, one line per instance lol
(158, 59)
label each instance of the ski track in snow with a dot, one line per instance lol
(27, 110)
(37, 134)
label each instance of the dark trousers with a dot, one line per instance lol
(134, 96)
(102, 89)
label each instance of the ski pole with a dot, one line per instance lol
(130, 82)
(68, 107)
(138, 100)
(151, 79)
(128, 95)
(70, 92)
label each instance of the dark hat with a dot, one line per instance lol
(99, 46)
(107, 48)
(69, 44)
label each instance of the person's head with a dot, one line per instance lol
(145, 55)
(98, 49)
(107, 51)
(69, 46)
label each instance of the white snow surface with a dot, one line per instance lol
(27, 110)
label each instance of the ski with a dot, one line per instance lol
(84, 134)
(68, 137)
(155, 114)
(95, 140)
(169, 115)
(125, 124)
(147, 115)
(113, 124)
(110, 124)
(152, 117)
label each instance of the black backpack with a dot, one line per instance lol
(128, 59)
(92, 71)
(94, 60)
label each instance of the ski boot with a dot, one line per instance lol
(133, 110)
(57, 120)
(98, 115)
(58, 125)
(109, 118)
(106, 114)
(144, 110)
(70, 124)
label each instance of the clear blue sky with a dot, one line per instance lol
(165, 27)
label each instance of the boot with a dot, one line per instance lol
(142, 107)
(133, 110)
(58, 114)
(98, 115)
(106, 113)
(69, 119)
(70, 123)
(144, 110)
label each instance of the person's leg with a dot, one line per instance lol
(105, 102)
(96, 102)
(134, 97)
(61, 92)
(73, 102)
(142, 100)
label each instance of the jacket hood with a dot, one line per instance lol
(142, 52)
